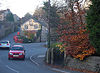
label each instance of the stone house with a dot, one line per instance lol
(3, 14)
(5, 27)
(30, 26)
(44, 34)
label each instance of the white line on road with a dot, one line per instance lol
(33, 61)
(59, 70)
(12, 69)
(41, 56)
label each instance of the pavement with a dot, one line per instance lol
(39, 61)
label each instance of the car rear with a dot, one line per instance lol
(5, 44)
(16, 52)
(17, 39)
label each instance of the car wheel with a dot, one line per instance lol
(8, 48)
(23, 58)
(9, 58)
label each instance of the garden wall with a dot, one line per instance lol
(90, 63)
(5, 29)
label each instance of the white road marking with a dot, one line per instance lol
(12, 69)
(34, 61)
(41, 56)
(59, 70)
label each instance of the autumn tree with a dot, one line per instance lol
(74, 34)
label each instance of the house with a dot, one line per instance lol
(5, 26)
(44, 34)
(30, 25)
(3, 14)
(16, 18)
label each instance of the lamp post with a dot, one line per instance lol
(49, 24)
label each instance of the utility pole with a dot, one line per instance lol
(48, 54)
(49, 24)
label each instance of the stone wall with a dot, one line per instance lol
(2, 32)
(90, 63)
(5, 29)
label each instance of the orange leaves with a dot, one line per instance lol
(74, 34)
(85, 53)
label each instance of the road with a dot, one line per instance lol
(26, 66)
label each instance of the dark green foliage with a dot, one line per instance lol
(26, 40)
(93, 21)
(10, 17)
(53, 18)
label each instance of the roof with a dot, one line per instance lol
(42, 23)
(2, 11)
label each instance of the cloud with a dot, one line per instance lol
(21, 7)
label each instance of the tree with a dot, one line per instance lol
(10, 17)
(93, 21)
(54, 18)
(39, 14)
(28, 15)
(73, 33)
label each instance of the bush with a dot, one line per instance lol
(58, 46)
(58, 51)
(26, 40)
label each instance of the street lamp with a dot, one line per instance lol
(49, 24)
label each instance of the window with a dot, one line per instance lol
(1, 18)
(17, 48)
(35, 26)
(30, 23)
(25, 27)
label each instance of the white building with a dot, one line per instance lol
(30, 25)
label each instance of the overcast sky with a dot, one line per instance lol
(21, 7)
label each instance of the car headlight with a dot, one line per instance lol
(11, 53)
(21, 54)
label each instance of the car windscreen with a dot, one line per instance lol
(4, 42)
(17, 48)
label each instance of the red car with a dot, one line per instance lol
(16, 51)
(17, 39)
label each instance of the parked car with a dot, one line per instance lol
(17, 39)
(16, 51)
(5, 44)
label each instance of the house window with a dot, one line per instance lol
(1, 18)
(35, 26)
(25, 27)
(30, 23)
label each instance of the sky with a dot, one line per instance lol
(21, 7)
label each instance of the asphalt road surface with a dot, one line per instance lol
(24, 66)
